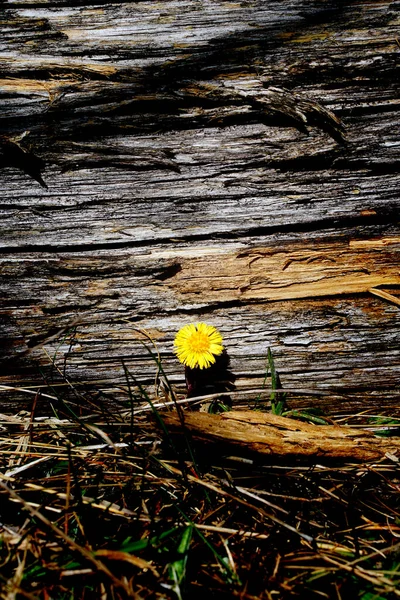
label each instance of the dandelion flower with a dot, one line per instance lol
(197, 345)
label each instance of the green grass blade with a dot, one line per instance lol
(177, 569)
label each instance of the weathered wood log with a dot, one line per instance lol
(235, 163)
(263, 434)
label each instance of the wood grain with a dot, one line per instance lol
(236, 163)
(262, 434)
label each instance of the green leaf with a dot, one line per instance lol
(138, 545)
(278, 399)
(218, 407)
(305, 415)
(372, 596)
(177, 569)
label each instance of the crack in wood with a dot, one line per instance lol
(203, 180)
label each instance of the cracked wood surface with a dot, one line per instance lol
(236, 163)
(255, 433)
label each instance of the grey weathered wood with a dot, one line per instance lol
(230, 162)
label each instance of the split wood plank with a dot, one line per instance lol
(263, 434)
(282, 273)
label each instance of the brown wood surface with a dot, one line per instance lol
(263, 434)
(236, 163)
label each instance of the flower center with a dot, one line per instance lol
(199, 342)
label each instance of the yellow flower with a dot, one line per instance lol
(197, 345)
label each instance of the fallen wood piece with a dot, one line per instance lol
(263, 433)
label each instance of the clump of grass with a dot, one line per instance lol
(99, 502)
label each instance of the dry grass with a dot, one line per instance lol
(101, 504)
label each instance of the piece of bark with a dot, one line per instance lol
(254, 432)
